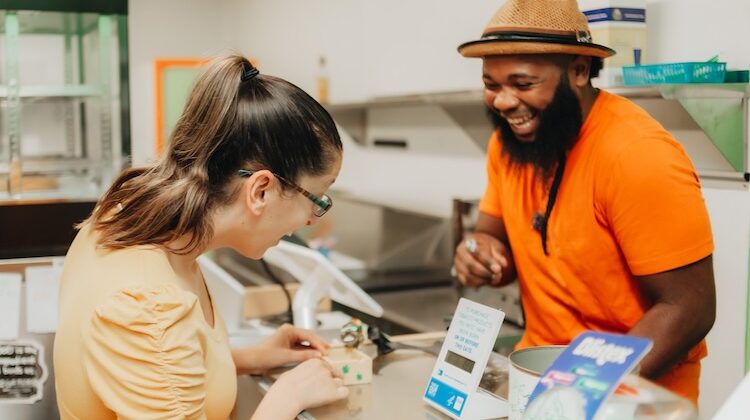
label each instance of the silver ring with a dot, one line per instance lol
(471, 245)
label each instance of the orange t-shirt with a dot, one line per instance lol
(629, 204)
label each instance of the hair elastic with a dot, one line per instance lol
(248, 71)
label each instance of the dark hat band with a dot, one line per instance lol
(577, 38)
(582, 38)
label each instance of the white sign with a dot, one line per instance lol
(22, 372)
(10, 305)
(42, 291)
(453, 386)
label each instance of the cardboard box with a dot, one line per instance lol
(268, 300)
(352, 363)
(620, 25)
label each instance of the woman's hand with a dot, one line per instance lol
(311, 384)
(282, 348)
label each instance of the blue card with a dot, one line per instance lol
(593, 364)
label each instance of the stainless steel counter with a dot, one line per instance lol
(431, 309)
(400, 378)
(399, 381)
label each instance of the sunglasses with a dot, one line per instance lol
(322, 203)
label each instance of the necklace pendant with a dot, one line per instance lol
(537, 221)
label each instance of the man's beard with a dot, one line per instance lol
(559, 125)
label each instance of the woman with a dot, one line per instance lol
(248, 162)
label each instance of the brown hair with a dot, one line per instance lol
(227, 124)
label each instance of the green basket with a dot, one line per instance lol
(656, 74)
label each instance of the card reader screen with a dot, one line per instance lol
(459, 361)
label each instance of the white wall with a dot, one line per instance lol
(373, 48)
(168, 29)
(287, 38)
(413, 44)
(379, 48)
(723, 369)
(695, 30)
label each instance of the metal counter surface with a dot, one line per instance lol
(399, 381)
(431, 308)
(400, 378)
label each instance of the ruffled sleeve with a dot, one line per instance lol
(143, 354)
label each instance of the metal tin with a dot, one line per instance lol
(526, 368)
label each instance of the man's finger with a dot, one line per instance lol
(488, 259)
(472, 281)
(479, 269)
(499, 257)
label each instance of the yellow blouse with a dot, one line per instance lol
(132, 344)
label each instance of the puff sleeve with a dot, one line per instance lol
(143, 354)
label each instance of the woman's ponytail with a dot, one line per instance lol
(235, 118)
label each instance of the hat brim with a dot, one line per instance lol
(484, 47)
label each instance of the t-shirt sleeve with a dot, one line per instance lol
(490, 202)
(143, 356)
(655, 207)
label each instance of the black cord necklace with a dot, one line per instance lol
(539, 221)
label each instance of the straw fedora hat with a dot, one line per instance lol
(536, 27)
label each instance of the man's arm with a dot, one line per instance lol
(683, 312)
(478, 268)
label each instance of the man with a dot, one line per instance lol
(590, 203)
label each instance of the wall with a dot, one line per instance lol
(388, 47)
(723, 369)
(372, 48)
(287, 38)
(413, 44)
(695, 30)
(168, 29)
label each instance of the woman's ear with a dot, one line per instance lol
(254, 190)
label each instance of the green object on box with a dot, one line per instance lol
(657, 74)
(737, 76)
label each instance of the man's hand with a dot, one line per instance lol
(480, 260)
(284, 347)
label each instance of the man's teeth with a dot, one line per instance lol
(520, 120)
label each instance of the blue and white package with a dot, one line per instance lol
(593, 364)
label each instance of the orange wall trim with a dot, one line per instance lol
(160, 66)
